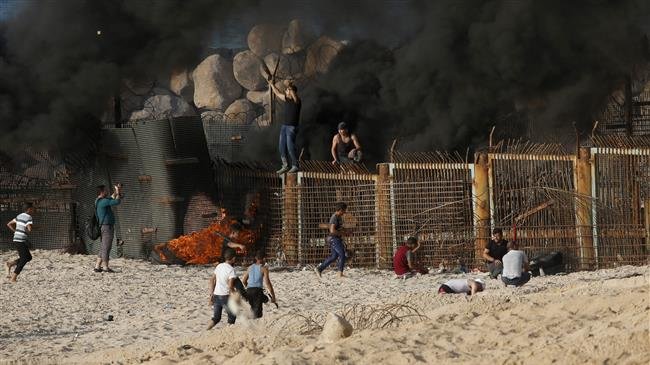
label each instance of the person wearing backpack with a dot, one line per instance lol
(21, 226)
(106, 220)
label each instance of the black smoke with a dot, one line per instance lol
(61, 61)
(470, 64)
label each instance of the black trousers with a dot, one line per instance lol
(256, 298)
(24, 256)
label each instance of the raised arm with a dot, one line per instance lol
(276, 91)
(267, 282)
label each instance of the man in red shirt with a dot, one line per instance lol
(404, 262)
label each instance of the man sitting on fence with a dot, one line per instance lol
(494, 252)
(404, 262)
(515, 266)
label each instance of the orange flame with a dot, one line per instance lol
(204, 246)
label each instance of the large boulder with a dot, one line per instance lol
(182, 85)
(321, 54)
(265, 38)
(289, 67)
(241, 112)
(163, 106)
(215, 86)
(259, 97)
(335, 328)
(246, 67)
(296, 38)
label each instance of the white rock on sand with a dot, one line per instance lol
(54, 314)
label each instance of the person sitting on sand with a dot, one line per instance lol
(404, 262)
(222, 283)
(493, 253)
(255, 278)
(462, 286)
(515, 266)
(21, 226)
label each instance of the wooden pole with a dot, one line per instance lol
(646, 211)
(584, 229)
(383, 220)
(481, 205)
(290, 222)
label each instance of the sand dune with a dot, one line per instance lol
(55, 314)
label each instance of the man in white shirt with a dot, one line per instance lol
(515, 266)
(462, 286)
(21, 226)
(222, 283)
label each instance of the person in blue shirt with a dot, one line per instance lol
(256, 277)
(106, 219)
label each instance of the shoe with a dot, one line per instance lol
(98, 269)
(282, 170)
(109, 270)
(294, 169)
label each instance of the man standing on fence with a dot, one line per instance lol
(289, 130)
(494, 252)
(106, 219)
(335, 239)
(21, 226)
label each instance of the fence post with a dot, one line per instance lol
(290, 224)
(584, 229)
(383, 220)
(646, 211)
(481, 200)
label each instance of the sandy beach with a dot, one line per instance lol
(56, 314)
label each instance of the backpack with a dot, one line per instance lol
(93, 230)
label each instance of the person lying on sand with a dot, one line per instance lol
(404, 262)
(222, 283)
(256, 277)
(462, 286)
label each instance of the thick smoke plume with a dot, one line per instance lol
(61, 61)
(471, 64)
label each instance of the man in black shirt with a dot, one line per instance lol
(494, 252)
(289, 128)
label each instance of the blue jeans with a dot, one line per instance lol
(220, 303)
(288, 144)
(338, 253)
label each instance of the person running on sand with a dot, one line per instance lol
(335, 239)
(462, 286)
(256, 277)
(21, 226)
(222, 283)
(404, 262)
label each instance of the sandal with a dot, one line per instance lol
(109, 270)
(97, 269)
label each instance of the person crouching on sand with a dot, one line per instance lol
(404, 262)
(335, 239)
(255, 278)
(462, 286)
(222, 283)
(21, 226)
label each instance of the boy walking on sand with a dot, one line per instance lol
(335, 239)
(255, 278)
(21, 226)
(222, 283)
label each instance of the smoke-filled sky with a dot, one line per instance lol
(435, 74)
